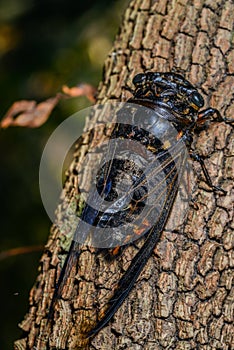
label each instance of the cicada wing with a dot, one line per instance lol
(153, 191)
(125, 284)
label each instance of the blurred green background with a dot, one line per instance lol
(43, 45)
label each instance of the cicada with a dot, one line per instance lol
(165, 110)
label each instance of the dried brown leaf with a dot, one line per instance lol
(28, 113)
(32, 115)
(81, 90)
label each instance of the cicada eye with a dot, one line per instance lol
(139, 79)
(197, 99)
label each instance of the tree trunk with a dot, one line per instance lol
(184, 297)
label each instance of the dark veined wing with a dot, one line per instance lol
(173, 175)
(167, 167)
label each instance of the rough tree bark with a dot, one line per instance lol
(184, 297)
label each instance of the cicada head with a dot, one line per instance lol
(169, 90)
